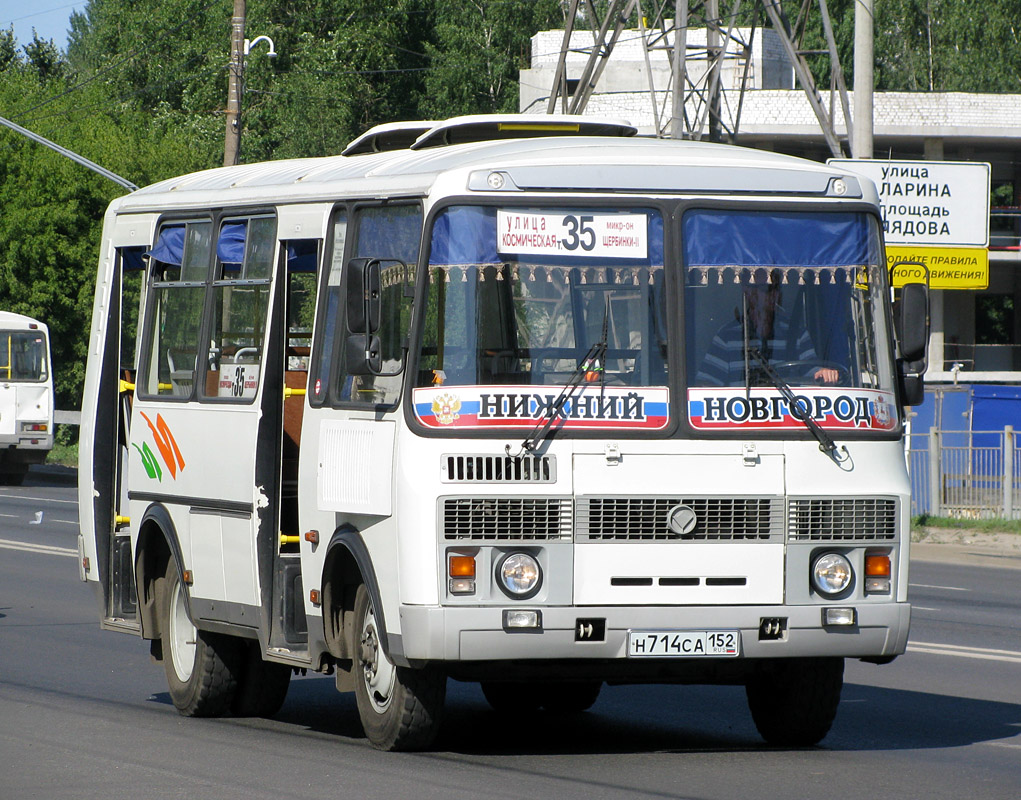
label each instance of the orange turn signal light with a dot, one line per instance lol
(461, 566)
(877, 565)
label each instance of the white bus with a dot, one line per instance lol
(527, 401)
(26, 396)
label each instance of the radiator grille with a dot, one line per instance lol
(828, 520)
(499, 469)
(645, 519)
(506, 519)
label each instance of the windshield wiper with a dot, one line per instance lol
(594, 362)
(826, 443)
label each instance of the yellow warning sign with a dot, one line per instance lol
(949, 267)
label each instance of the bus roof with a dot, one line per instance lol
(566, 163)
(9, 320)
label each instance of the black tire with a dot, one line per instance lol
(794, 701)
(507, 696)
(400, 708)
(202, 668)
(262, 685)
(569, 697)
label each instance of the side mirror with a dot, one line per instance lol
(362, 355)
(363, 295)
(913, 327)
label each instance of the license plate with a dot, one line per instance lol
(683, 644)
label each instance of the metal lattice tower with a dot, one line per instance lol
(704, 107)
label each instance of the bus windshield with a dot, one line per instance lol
(517, 297)
(777, 304)
(794, 300)
(22, 356)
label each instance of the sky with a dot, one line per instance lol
(50, 18)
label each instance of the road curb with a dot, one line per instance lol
(974, 555)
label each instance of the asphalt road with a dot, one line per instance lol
(84, 713)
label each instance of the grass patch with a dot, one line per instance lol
(65, 455)
(952, 523)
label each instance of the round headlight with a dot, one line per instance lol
(831, 574)
(519, 575)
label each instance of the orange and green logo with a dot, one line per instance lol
(167, 446)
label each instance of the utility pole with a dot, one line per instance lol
(861, 141)
(232, 141)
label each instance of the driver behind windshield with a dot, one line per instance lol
(765, 325)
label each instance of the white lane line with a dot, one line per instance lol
(38, 548)
(11, 516)
(922, 608)
(945, 588)
(1003, 744)
(38, 499)
(980, 653)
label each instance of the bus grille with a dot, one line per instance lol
(506, 519)
(498, 469)
(827, 520)
(631, 519)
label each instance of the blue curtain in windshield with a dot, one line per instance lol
(775, 239)
(467, 235)
(169, 247)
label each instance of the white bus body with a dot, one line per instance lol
(26, 395)
(529, 453)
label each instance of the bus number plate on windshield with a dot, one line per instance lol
(683, 644)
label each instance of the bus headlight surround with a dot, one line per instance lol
(831, 574)
(519, 575)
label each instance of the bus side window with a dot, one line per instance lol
(328, 318)
(178, 264)
(391, 234)
(245, 251)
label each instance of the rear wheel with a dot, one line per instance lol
(400, 708)
(202, 668)
(794, 701)
(262, 685)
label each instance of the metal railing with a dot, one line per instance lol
(966, 474)
(1005, 228)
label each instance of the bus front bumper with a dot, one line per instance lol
(438, 633)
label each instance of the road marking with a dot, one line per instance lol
(38, 548)
(38, 499)
(946, 588)
(1004, 744)
(922, 608)
(981, 653)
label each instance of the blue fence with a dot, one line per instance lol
(966, 474)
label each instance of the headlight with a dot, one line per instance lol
(831, 574)
(519, 575)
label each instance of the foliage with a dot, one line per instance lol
(478, 49)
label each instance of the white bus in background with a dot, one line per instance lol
(26, 396)
(526, 401)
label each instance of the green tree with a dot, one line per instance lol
(478, 49)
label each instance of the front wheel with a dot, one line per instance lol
(400, 708)
(202, 668)
(794, 701)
